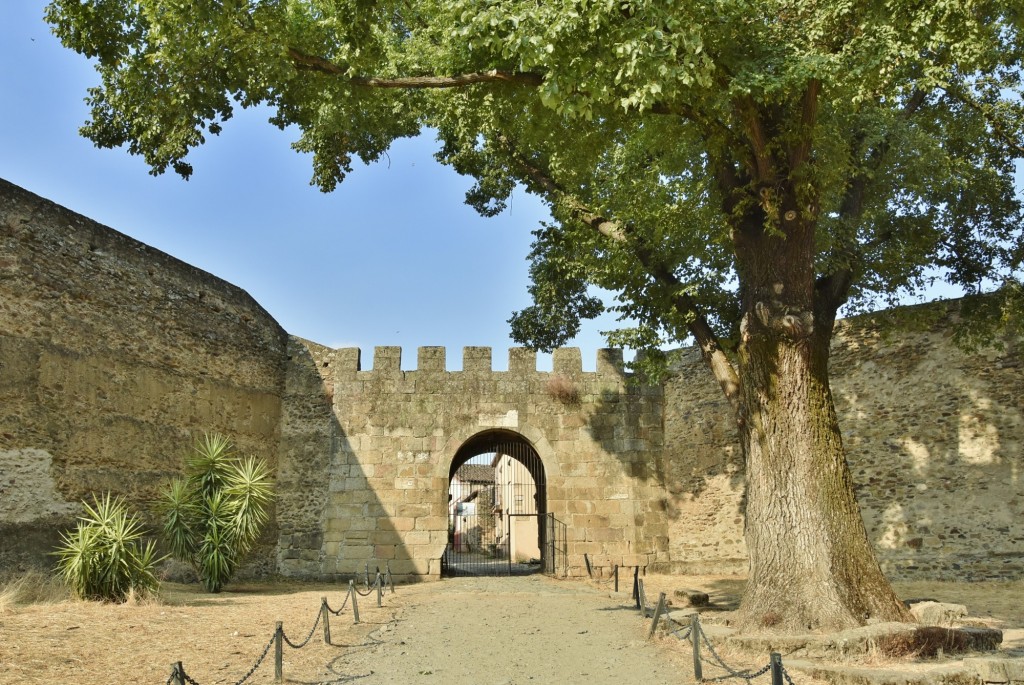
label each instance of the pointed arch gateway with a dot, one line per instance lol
(498, 519)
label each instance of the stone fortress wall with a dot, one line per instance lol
(113, 356)
(380, 473)
(934, 437)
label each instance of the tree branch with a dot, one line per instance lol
(697, 324)
(319, 64)
(998, 127)
(763, 167)
(835, 288)
(809, 116)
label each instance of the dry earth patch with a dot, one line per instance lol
(496, 631)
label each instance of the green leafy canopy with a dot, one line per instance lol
(657, 131)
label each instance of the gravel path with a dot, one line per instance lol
(511, 631)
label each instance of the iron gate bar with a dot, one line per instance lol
(486, 501)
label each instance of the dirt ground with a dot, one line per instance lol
(487, 631)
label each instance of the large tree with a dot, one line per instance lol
(733, 170)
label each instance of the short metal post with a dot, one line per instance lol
(366, 576)
(586, 560)
(698, 671)
(279, 653)
(380, 589)
(325, 616)
(642, 598)
(391, 579)
(657, 614)
(636, 585)
(776, 662)
(177, 674)
(353, 596)
(616, 572)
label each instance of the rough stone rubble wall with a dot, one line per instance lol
(393, 435)
(113, 356)
(933, 437)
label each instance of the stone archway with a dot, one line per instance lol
(497, 507)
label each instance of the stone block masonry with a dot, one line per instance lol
(384, 491)
(114, 356)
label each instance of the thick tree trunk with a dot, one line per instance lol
(811, 564)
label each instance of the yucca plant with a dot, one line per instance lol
(214, 515)
(104, 557)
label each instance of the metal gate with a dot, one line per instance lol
(497, 519)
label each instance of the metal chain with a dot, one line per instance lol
(189, 680)
(305, 642)
(258, 662)
(343, 605)
(745, 675)
(685, 630)
(785, 674)
(174, 671)
(739, 674)
(369, 590)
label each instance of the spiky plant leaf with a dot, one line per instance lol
(103, 558)
(214, 515)
(210, 463)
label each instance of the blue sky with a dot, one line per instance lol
(393, 257)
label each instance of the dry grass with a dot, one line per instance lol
(32, 587)
(563, 390)
(999, 603)
(50, 638)
(217, 637)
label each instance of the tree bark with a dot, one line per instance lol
(811, 563)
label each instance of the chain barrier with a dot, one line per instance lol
(178, 674)
(259, 661)
(305, 642)
(685, 630)
(685, 633)
(745, 674)
(343, 605)
(192, 681)
(370, 588)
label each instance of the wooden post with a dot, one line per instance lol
(586, 560)
(657, 614)
(636, 585)
(643, 599)
(352, 595)
(325, 617)
(380, 589)
(698, 670)
(177, 674)
(776, 662)
(279, 653)
(616, 578)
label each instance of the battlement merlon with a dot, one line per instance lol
(565, 361)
